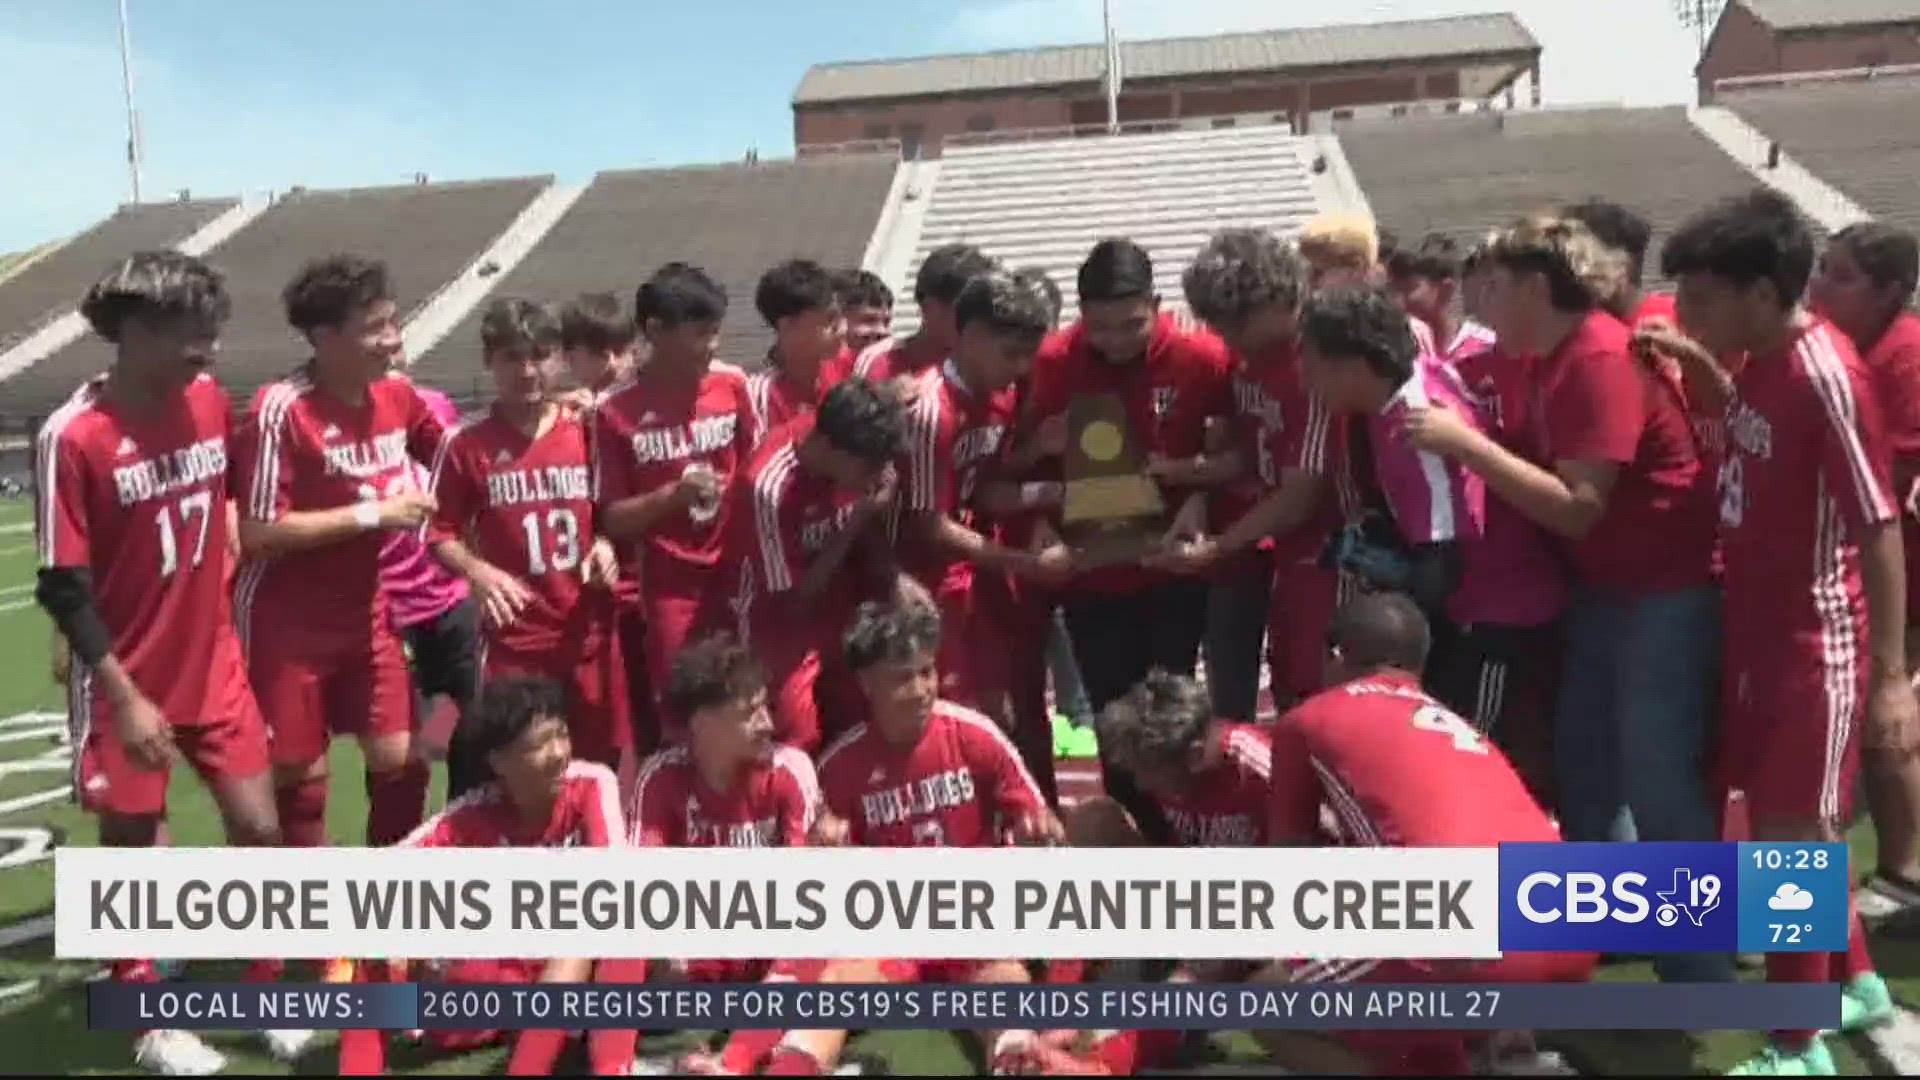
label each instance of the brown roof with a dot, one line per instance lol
(1266, 50)
(1821, 14)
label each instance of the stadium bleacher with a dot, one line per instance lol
(1860, 136)
(426, 233)
(733, 220)
(53, 283)
(1464, 175)
(1045, 203)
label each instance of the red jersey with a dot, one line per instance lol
(140, 501)
(1398, 770)
(303, 449)
(645, 436)
(1655, 305)
(783, 516)
(771, 804)
(961, 785)
(1169, 395)
(1226, 806)
(1281, 426)
(952, 433)
(776, 399)
(1893, 366)
(586, 813)
(1592, 401)
(1806, 470)
(890, 357)
(525, 504)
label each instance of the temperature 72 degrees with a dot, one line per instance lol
(1788, 933)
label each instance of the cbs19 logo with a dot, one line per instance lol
(1583, 896)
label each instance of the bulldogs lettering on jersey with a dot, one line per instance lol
(702, 831)
(367, 458)
(169, 473)
(682, 441)
(926, 796)
(554, 482)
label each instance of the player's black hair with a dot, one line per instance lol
(1365, 323)
(161, 290)
(946, 270)
(1436, 257)
(1157, 722)
(679, 293)
(862, 418)
(1116, 269)
(516, 324)
(1617, 227)
(1239, 271)
(1048, 287)
(1889, 256)
(793, 288)
(714, 671)
(1380, 629)
(884, 633)
(597, 321)
(1759, 236)
(508, 705)
(1011, 305)
(862, 288)
(328, 290)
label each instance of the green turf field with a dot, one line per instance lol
(44, 1030)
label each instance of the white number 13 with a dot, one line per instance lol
(566, 541)
(199, 503)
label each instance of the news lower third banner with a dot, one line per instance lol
(1184, 903)
(878, 1006)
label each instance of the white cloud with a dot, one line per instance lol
(1631, 51)
(1790, 897)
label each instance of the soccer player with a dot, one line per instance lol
(960, 416)
(666, 446)
(1814, 569)
(866, 308)
(1496, 594)
(1210, 777)
(1349, 249)
(1628, 234)
(876, 779)
(1397, 769)
(936, 285)
(1427, 279)
(537, 794)
(798, 300)
(1607, 461)
(814, 497)
(132, 528)
(327, 468)
(515, 519)
(1276, 499)
(1862, 284)
(599, 342)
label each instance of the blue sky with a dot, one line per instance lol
(257, 95)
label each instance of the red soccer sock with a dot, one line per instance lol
(362, 1053)
(611, 1050)
(1797, 967)
(1856, 960)
(792, 1061)
(396, 801)
(536, 1051)
(745, 1049)
(303, 812)
(1127, 1052)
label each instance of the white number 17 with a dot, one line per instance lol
(199, 503)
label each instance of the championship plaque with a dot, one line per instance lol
(1111, 511)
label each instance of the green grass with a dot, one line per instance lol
(46, 1032)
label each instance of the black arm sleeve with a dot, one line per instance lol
(1436, 573)
(66, 592)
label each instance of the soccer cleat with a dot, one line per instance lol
(1865, 1003)
(701, 1064)
(655, 1065)
(172, 1052)
(287, 1046)
(1812, 1059)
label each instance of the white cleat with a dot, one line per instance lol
(655, 1065)
(287, 1046)
(173, 1052)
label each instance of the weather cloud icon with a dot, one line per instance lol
(1790, 897)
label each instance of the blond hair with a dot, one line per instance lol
(1581, 271)
(1341, 239)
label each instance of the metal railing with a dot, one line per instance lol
(1806, 78)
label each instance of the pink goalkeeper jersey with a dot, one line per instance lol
(1508, 576)
(418, 588)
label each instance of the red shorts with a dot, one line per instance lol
(630, 626)
(791, 682)
(311, 688)
(1791, 733)
(1304, 600)
(974, 650)
(673, 620)
(598, 718)
(231, 744)
(899, 970)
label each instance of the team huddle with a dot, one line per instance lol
(1526, 552)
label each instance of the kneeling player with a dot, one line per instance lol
(538, 795)
(1398, 769)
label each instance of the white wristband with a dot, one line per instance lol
(366, 515)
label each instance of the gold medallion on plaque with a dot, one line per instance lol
(1112, 511)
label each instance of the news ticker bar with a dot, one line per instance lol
(955, 1007)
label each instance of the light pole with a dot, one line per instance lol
(133, 115)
